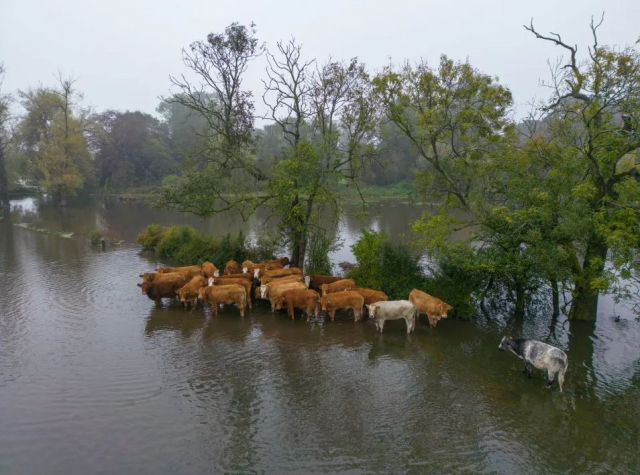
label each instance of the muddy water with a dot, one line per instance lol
(95, 379)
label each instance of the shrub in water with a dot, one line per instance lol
(150, 237)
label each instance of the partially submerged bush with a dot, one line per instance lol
(183, 245)
(150, 237)
(99, 236)
(318, 249)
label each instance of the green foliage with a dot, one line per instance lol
(382, 265)
(318, 262)
(150, 237)
(183, 245)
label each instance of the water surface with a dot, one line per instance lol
(95, 379)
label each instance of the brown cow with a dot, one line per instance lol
(231, 267)
(187, 271)
(224, 294)
(161, 290)
(243, 275)
(280, 278)
(189, 291)
(210, 270)
(283, 261)
(338, 300)
(435, 308)
(291, 271)
(316, 281)
(303, 299)
(275, 289)
(244, 283)
(338, 286)
(370, 296)
(155, 277)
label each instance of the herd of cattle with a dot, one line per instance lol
(286, 287)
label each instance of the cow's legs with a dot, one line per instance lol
(550, 377)
(381, 325)
(527, 369)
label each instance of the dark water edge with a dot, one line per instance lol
(95, 379)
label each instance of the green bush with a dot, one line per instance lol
(183, 245)
(150, 237)
(393, 268)
(318, 249)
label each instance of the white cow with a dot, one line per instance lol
(379, 312)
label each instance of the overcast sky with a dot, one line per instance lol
(124, 50)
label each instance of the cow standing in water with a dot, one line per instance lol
(539, 355)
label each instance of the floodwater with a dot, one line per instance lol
(95, 379)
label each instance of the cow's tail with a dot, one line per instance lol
(416, 316)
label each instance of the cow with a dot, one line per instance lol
(538, 355)
(435, 308)
(210, 270)
(303, 299)
(188, 272)
(338, 286)
(160, 290)
(282, 262)
(315, 281)
(338, 300)
(189, 291)
(224, 294)
(243, 275)
(273, 290)
(291, 271)
(231, 267)
(371, 296)
(155, 277)
(280, 278)
(380, 312)
(225, 280)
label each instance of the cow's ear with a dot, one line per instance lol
(139, 285)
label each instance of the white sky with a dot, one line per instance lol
(124, 50)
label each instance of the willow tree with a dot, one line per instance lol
(325, 113)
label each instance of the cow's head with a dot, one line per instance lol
(211, 281)
(324, 302)
(245, 269)
(148, 276)
(325, 289)
(145, 287)
(444, 308)
(256, 273)
(307, 280)
(263, 291)
(202, 291)
(285, 261)
(505, 344)
(372, 310)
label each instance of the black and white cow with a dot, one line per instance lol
(539, 355)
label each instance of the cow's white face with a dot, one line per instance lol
(372, 310)
(216, 273)
(256, 273)
(263, 291)
(245, 269)
(307, 280)
(210, 281)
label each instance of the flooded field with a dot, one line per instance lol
(95, 379)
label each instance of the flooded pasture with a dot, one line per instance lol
(94, 378)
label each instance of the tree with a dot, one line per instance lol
(325, 116)
(5, 101)
(53, 140)
(594, 114)
(133, 149)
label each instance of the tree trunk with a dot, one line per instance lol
(555, 296)
(520, 299)
(584, 305)
(4, 189)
